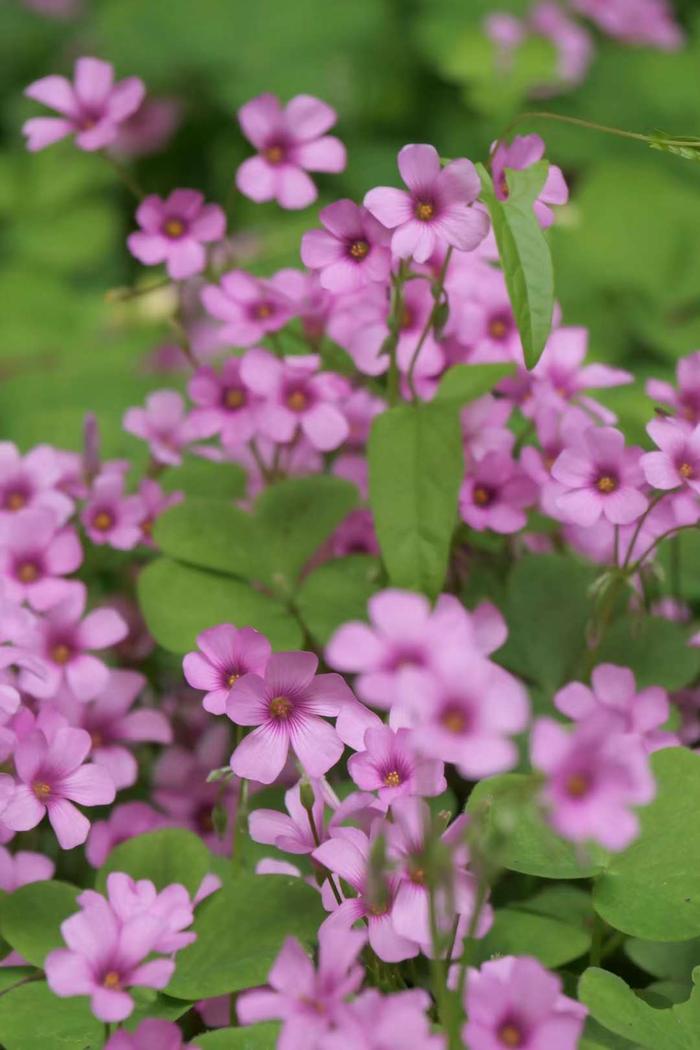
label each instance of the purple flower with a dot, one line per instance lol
(390, 766)
(225, 399)
(62, 641)
(376, 1022)
(227, 653)
(495, 494)
(92, 107)
(34, 555)
(109, 516)
(307, 1000)
(286, 705)
(351, 251)
(173, 231)
(515, 1002)
(297, 396)
(163, 423)
(593, 777)
(151, 1034)
(53, 778)
(290, 142)
(23, 868)
(613, 694)
(678, 461)
(31, 481)
(249, 306)
(601, 477)
(523, 152)
(436, 209)
(130, 899)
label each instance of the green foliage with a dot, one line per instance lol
(463, 383)
(31, 917)
(656, 650)
(336, 592)
(257, 1037)
(416, 464)
(32, 1016)
(164, 856)
(204, 477)
(516, 931)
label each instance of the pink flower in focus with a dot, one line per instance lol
(22, 868)
(297, 396)
(351, 251)
(225, 399)
(390, 766)
(308, 1000)
(496, 493)
(227, 653)
(678, 461)
(523, 152)
(601, 477)
(436, 209)
(514, 1002)
(593, 778)
(286, 705)
(34, 555)
(110, 516)
(173, 230)
(248, 306)
(92, 107)
(290, 141)
(151, 1034)
(164, 424)
(32, 481)
(53, 778)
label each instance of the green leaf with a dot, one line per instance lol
(336, 592)
(595, 1037)
(257, 1037)
(464, 383)
(652, 890)
(525, 255)
(202, 477)
(686, 147)
(178, 602)
(211, 534)
(240, 930)
(673, 960)
(32, 1016)
(518, 932)
(416, 464)
(164, 856)
(657, 651)
(31, 917)
(520, 838)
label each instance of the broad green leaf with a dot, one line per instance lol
(672, 960)
(464, 383)
(164, 856)
(155, 1005)
(179, 601)
(518, 932)
(31, 917)
(203, 477)
(256, 1037)
(652, 890)
(657, 651)
(595, 1037)
(11, 975)
(416, 464)
(336, 592)
(210, 533)
(32, 1017)
(240, 930)
(518, 835)
(525, 255)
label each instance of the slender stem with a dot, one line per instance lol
(260, 462)
(640, 525)
(595, 955)
(240, 827)
(616, 546)
(23, 980)
(120, 295)
(317, 841)
(394, 329)
(438, 289)
(125, 175)
(592, 126)
(652, 546)
(676, 568)
(482, 892)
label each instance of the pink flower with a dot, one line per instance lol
(290, 832)
(151, 1034)
(351, 251)
(307, 1000)
(515, 1002)
(573, 43)
(561, 370)
(92, 107)
(297, 397)
(23, 868)
(130, 899)
(635, 21)
(249, 306)
(495, 494)
(110, 516)
(290, 142)
(436, 209)
(53, 778)
(375, 1022)
(523, 152)
(601, 477)
(678, 461)
(165, 426)
(286, 705)
(593, 777)
(62, 641)
(105, 957)
(390, 766)
(685, 401)
(224, 398)
(173, 231)
(149, 128)
(124, 822)
(227, 653)
(154, 502)
(31, 481)
(614, 695)
(34, 555)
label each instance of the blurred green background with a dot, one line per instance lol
(627, 248)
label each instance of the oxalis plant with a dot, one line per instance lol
(377, 673)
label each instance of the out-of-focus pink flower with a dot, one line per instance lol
(32, 481)
(635, 21)
(23, 867)
(391, 766)
(124, 822)
(92, 107)
(573, 43)
(132, 899)
(286, 705)
(351, 251)
(149, 128)
(110, 516)
(290, 142)
(249, 307)
(227, 653)
(515, 1002)
(174, 230)
(522, 152)
(685, 401)
(155, 502)
(151, 1034)
(53, 777)
(374, 1021)
(165, 425)
(34, 555)
(678, 460)
(594, 777)
(495, 493)
(225, 399)
(437, 209)
(601, 477)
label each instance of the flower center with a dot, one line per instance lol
(262, 311)
(28, 572)
(497, 328)
(577, 786)
(406, 318)
(234, 397)
(685, 470)
(454, 720)
(510, 1035)
(424, 211)
(103, 521)
(41, 789)
(297, 401)
(393, 779)
(378, 909)
(280, 707)
(174, 228)
(232, 679)
(482, 495)
(147, 526)
(417, 876)
(359, 249)
(273, 154)
(15, 500)
(96, 738)
(112, 980)
(606, 483)
(60, 653)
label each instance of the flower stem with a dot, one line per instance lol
(125, 175)
(240, 827)
(438, 290)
